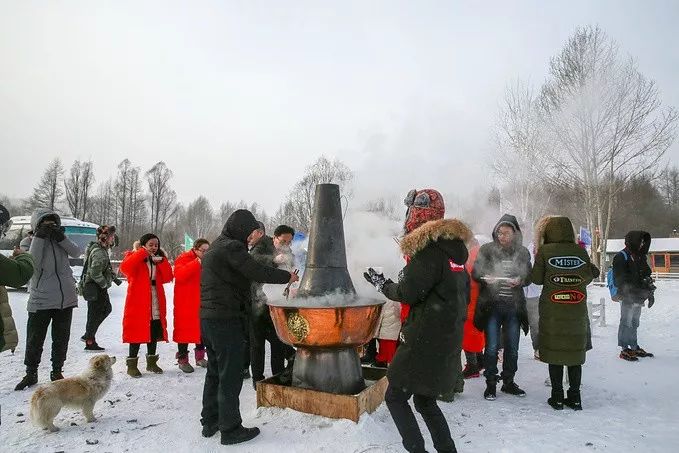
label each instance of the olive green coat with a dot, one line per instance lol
(13, 272)
(564, 270)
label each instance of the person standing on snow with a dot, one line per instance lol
(435, 286)
(144, 319)
(473, 340)
(187, 268)
(14, 272)
(502, 269)
(95, 284)
(564, 270)
(225, 303)
(52, 295)
(632, 276)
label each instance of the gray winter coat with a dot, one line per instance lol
(52, 285)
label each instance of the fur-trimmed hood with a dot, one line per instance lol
(554, 229)
(433, 231)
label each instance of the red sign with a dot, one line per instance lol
(567, 296)
(456, 267)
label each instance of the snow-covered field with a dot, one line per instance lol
(627, 406)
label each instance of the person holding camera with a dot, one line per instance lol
(52, 295)
(632, 276)
(94, 284)
(144, 321)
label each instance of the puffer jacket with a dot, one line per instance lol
(436, 286)
(99, 268)
(52, 285)
(13, 272)
(390, 322)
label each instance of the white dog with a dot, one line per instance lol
(80, 392)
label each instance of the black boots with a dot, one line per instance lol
(29, 380)
(239, 435)
(509, 386)
(491, 389)
(91, 345)
(210, 430)
(56, 375)
(573, 400)
(556, 401)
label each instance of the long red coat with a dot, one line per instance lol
(137, 316)
(473, 339)
(187, 298)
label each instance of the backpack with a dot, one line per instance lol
(610, 281)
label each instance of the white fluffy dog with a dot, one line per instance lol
(80, 392)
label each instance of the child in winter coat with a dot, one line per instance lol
(146, 270)
(387, 333)
(564, 270)
(187, 269)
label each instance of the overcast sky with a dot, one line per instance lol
(238, 97)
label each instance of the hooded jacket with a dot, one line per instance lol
(489, 263)
(14, 272)
(229, 270)
(436, 287)
(630, 272)
(564, 270)
(52, 285)
(99, 268)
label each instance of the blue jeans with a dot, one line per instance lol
(507, 321)
(630, 312)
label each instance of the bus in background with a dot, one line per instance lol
(82, 233)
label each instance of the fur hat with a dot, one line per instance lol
(423, 206)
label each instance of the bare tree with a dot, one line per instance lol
(199, 218)
(522, 153)
(48, 192)
(668, 185)
(162, 199)
(298, 207)
(607, 121)
(78, 186)
(383, 207)
(103, 210)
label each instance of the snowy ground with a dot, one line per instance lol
(627, 406)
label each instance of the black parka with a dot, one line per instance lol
(436, 286)
(228, 271)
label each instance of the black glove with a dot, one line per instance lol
(651, 299)
(57, 233)
(117, 281)
(376, 279)
(43, 231)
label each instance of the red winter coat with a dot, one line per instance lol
(473, 339)
(187, 298)
(137, 316)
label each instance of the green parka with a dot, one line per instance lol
(564, 270)
(13, 272)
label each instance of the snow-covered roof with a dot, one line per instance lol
(657, 245)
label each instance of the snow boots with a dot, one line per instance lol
(183, 362)
(200, 358)
(629, 355)
(152, 364)
(210, 430)
(573, 400)
(29, 380)
(556, 401)
(239, 435)
(56, 375)
(491, 390)
(510, 387)
(132, 369)
(91, 345)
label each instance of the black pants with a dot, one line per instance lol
(261, 331)
(97, 311)
(38, 323)
(397, 402)
(574, 377)
(183, 348)
(156, 332)
(150, 349)
(224, 340)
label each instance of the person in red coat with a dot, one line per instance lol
(146, 270)
(473, 340)
(187, 269)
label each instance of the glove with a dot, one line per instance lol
(117, 281)
(43, 231)
(376, 279)
(57, 233)
(651, 299)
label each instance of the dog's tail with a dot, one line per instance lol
(39, 412)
